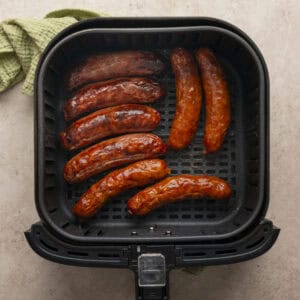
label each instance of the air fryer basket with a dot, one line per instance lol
(241, 160)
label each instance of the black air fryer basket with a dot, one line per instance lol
(193, 232)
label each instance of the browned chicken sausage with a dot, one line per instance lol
(178, 188)
(137, 174)
(217, 102)
(115, 64)
(112, 92)
(189, 98)
(109, 121)
(113, 153)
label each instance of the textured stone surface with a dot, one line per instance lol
(275, 27)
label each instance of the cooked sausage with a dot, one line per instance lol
(116, 64)
(135, 175)
(178, 188)
(113, 153)
(217, 102)
(109, 121)
(112, 92)
(188, 99)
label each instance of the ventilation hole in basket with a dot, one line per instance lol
(198, 216)
(233, 180)
(198, 164)
(223, 164)
(174, 172)
(185, 172)
(117, 217)
(76, 253)
(186, 216)
(104, 217)
(64, 226)
(118, 208)
(199, 208)
(186, 164)
(173, 216)
(196, 253)
(196, 149)
(185, 208)
(210, 164)
(210, 171)
(48, 246)
(226, 251)
(255, 243)
(232, 156)
(161, 216)
(173, 209)
(49, 118)
(50, 107)
(211, 216)
(48, 92)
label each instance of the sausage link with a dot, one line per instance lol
(109, 121)
(189, 98)
(217, 102)
(112, 92)
(178, 188)
(113, 153)
(137, 174)
(116, 64)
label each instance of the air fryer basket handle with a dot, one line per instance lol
(151, 276)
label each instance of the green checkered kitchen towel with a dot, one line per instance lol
(23, 40)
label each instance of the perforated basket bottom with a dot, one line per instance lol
(240, 161)
(189, 161)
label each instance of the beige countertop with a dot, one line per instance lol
(275, 27)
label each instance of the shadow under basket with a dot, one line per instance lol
(189, 233)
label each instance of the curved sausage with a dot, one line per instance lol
(112, 92)
(178, 188)
(217, 102)
(189, 98)
(109, 121)
(113, 153)
(137, 174)
(116, 64)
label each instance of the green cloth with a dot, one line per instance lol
(23, 40)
